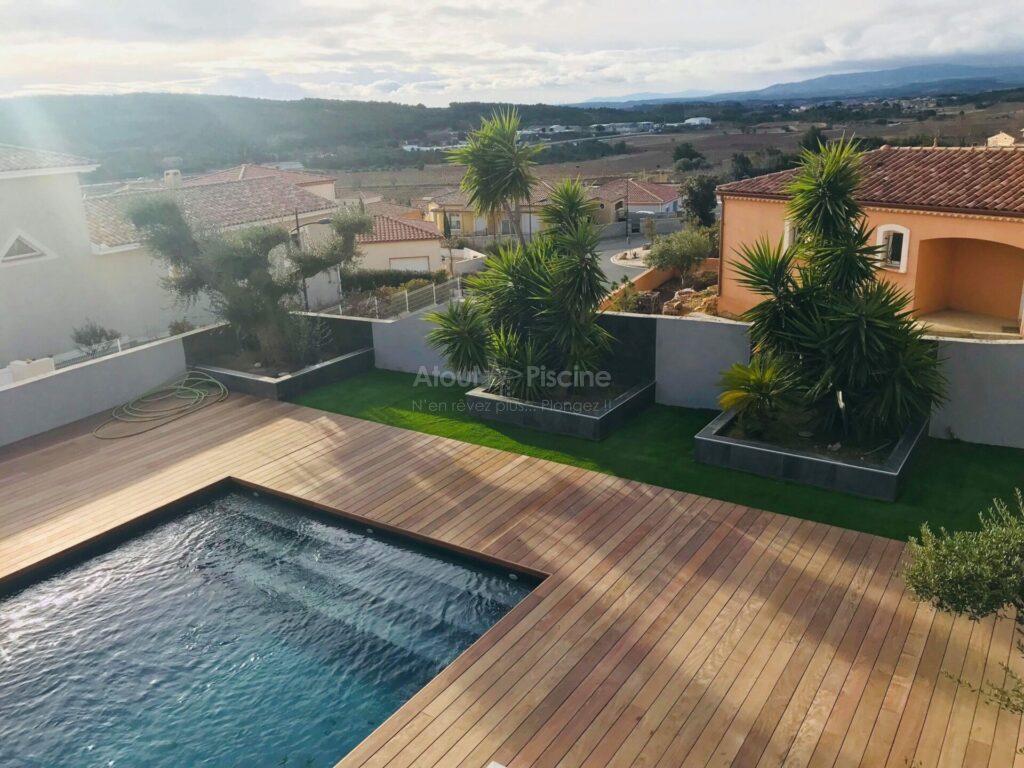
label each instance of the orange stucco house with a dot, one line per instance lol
(950, 222)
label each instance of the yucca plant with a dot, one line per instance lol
(861, 363)
(515, 362)
(462, 333)
(532, 306)
(569, 202)
(822, 202)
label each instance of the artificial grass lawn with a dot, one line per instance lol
(949, 483)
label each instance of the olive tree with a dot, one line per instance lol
(683, 251)
(251, 278)
(978, 574)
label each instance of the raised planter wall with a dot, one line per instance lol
(290, 385)
(594, 425)
(875, 481)
(203, 347)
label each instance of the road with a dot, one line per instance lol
(609, 248)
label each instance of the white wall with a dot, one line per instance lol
(379, 255)
(42, 299)
(986, 392)
(400, 345)
(129, 288)
(691, 354)
(468, 261)
(55, 399)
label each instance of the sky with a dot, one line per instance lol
(438, 51)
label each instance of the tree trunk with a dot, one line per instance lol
(517, 226)
(274, 346)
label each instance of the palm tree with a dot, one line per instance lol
(498, 176)
(759, 392)
(446, 239)
(569, 203)
(532, 306)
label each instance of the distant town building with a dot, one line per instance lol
(699, 122)
(286, 165)
(1001, 139)
(643, 126)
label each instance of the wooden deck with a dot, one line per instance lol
(674, 630)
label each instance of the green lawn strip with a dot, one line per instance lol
(949, 483)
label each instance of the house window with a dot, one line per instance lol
(455, 221)
(894, 241)
(506, 227)
(790, 235)
(21, 249)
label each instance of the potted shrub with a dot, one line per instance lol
(841, 375)
(528, 328)
(253, 280)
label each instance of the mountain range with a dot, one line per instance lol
(907, 82)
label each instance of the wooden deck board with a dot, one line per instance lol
(673, 630)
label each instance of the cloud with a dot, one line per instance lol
(436, 51)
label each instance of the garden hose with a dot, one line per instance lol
(191, 393)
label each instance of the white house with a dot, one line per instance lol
(698, 122)
(66, 259)
(137, 304)
(46, 264)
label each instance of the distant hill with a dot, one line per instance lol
(908, 82)
(141, 134)
(633, 99)
(132, 134)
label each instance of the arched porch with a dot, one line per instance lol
(970, 287)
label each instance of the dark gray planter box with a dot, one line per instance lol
(290, 385)
(874, 481)
(591, 425)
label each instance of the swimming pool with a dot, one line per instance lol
(244, 631)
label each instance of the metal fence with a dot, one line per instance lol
(386, 303)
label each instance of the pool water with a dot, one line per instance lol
(247, 631)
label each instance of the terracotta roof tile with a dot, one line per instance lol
(387, 208)
(640, 192)
(249, 171)
(14, 158)
(456, 198)
(217, 206)
(388, 229)
(969, 179)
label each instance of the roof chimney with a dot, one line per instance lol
(172, 179)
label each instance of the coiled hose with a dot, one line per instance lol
(192, 392)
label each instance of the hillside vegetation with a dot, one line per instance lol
(141, 134)
(131, 135)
